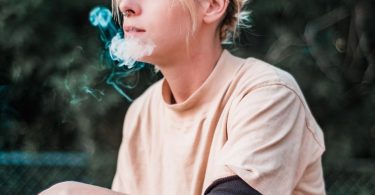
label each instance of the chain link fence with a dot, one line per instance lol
(29, 173)
(355, 177)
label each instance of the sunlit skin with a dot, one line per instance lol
(184, 66)
(169, 32)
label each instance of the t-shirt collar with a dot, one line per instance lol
(219, 78)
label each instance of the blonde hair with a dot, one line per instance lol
(234, 18)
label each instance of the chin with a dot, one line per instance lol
(157, 57)
(145, 59)
(151, 59)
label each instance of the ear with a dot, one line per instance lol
(213, 10)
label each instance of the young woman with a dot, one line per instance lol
(215, 124)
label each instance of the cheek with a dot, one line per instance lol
(180, 24)
(170, 30)
(170, 26)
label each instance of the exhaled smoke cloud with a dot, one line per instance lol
(120, 56)
(128, 51)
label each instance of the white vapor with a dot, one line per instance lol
(128, 51)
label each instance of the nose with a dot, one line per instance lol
(130, 8)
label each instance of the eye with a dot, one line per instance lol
(127, 13)
(124, 14)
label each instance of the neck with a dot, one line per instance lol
(185, 75)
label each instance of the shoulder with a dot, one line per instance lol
(263, 91)
(145, 103)
(258, 79)
(255, 73)
(268, 118)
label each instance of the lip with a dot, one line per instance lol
(132, 30)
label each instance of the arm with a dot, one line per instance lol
(76, 188)
(271, 139)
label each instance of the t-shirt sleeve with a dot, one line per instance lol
(269, 141)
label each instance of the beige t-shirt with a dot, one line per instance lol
(248, 119)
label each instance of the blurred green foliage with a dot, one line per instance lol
(50, 59)
(329, 46)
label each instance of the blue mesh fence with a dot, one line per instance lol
(29, 173)
(355, 177)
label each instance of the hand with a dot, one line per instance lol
(76, 188)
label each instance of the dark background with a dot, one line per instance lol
(59, 120)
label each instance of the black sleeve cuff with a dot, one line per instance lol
(232, 185)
